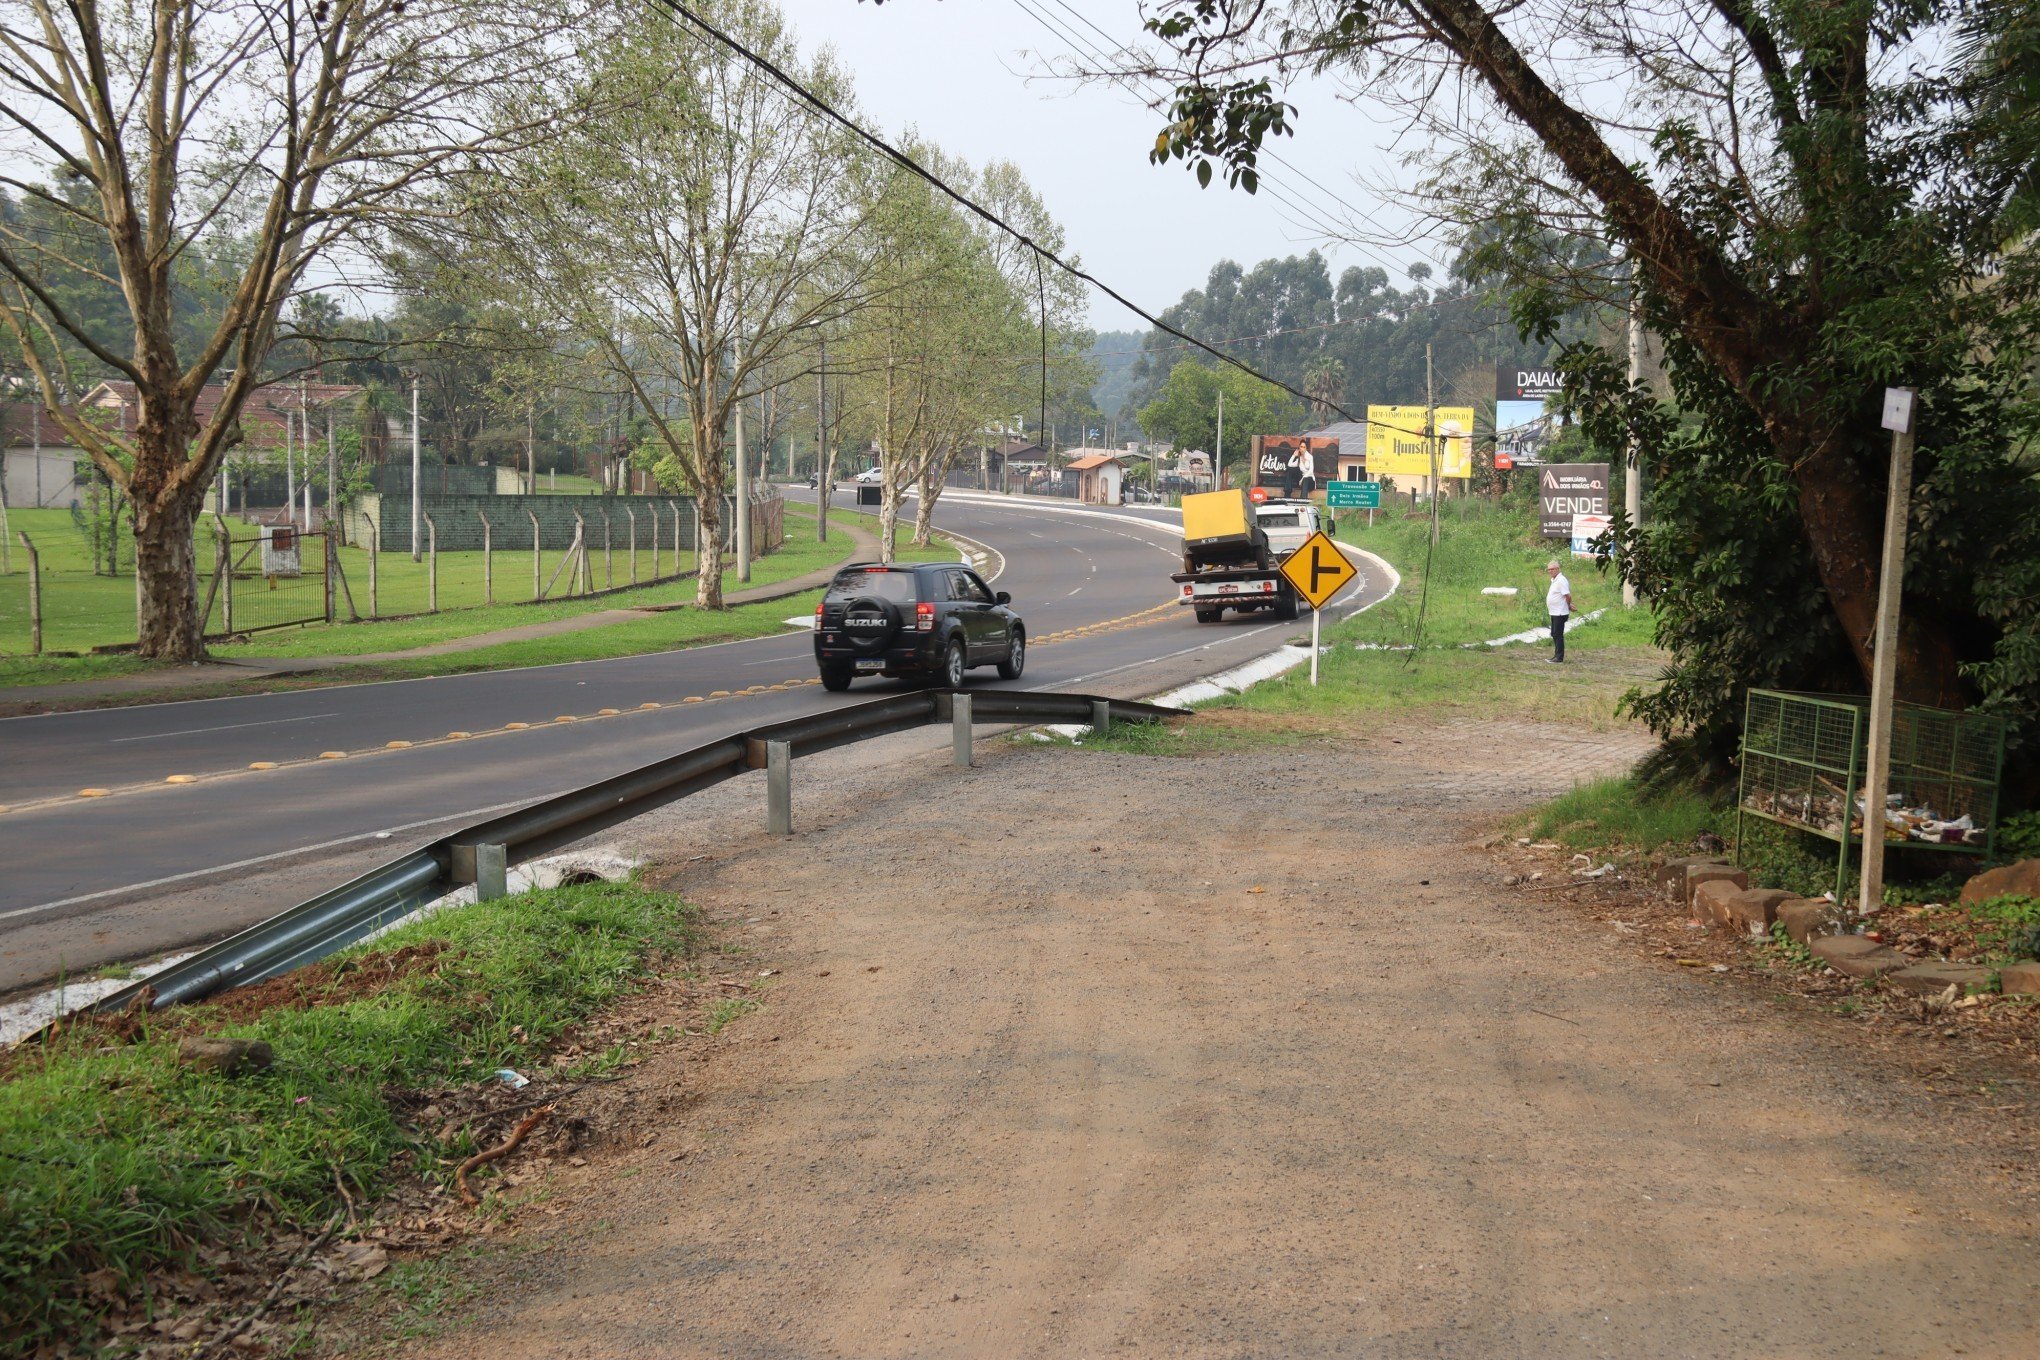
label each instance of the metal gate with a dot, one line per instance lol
(282, 578)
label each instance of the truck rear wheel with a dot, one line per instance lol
(1285, 604)
(1211, 615)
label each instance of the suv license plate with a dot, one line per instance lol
(872, 665)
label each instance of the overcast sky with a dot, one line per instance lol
(962, 72)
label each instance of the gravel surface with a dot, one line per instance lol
(1242, 1055)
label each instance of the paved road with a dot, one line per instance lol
(153, 865)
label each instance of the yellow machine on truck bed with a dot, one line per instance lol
(1227, 560)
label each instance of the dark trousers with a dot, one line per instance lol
(1558, 636)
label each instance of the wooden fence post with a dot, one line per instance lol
(374, 552)
(608, 558)
(34, 594)
(431, 564)
(633, 543)
(326, 537)
(655, 542)
(488, 561)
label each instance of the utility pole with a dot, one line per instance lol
(1632, 480)
(416, 504)
(822, 487)
(1431, 439)
(289, 474)
(332, 475)
(1898, 418)
(743, 500)
(1218, 454)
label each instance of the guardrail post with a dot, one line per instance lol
(1101, 716)
(959, 731)
(492, 872)
(779, 788)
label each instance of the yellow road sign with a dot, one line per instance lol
(1318, 570)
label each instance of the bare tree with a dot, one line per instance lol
(278, 127)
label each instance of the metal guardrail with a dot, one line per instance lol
(344, 915)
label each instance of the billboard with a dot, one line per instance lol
(1294, 464)
(1524, 421)
(1571, 497)
(1395, 442)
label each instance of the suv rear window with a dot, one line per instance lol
(897, 586)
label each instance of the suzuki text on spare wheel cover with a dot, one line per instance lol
(931, 621)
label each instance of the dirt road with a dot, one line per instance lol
(1086, 1054)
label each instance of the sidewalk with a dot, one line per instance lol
(862, 544)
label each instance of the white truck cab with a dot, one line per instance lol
(1288, 524)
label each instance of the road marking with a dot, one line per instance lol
(93, 793)
(332, 755)
(258, 859)
(180, 779)
(194, 731)
(262, 765)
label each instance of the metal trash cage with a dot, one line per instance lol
(1804, 758)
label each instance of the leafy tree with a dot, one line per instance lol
(1185, 413)
(1824, 211)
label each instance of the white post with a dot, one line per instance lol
(1315, 616)
(1898, 418)
(1218, 454)
(289, 473)
(415, 503)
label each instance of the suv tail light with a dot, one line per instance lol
(818, 614)
(924, 618)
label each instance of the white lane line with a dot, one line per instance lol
(1078, 591)
(229, 727)
(262, 859)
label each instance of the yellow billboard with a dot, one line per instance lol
(1395, 442)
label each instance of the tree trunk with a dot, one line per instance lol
(708, 552)
(924, 513)
(167, 622)
(888, 519)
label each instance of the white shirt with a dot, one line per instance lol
(1554, 598)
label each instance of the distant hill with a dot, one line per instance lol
(1115, 353)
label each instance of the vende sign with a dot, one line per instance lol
(1566, 491)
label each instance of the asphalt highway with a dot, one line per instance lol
(151, 864)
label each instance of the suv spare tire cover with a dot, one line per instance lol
(870, 624)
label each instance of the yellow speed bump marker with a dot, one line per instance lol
(608, 712)
(332, 755)
(93, 793)
(515, 727)
(262, 765)
(565, 717)
(692, 699)
(718, 694)
(458, 736)
(396, 746)
(643, 707)
(180, 779)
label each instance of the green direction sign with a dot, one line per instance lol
(1353, 495)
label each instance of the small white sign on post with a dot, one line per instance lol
(1898, 410)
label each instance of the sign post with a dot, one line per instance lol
(1317, 571)
(1898, 418)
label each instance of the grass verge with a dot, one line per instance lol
(120, 1160)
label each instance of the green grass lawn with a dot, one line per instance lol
(122, 1159)
(797, 556)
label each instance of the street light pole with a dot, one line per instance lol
(822, 477)
(416, 505)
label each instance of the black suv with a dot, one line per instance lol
(933, 620)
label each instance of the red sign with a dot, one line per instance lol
(1257, 494)
(1503, 462)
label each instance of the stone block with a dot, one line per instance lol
(1806, 918)
(1710, 901)
(1751, 911)
(2022, 878)
(1856, 956)
(1931, 979)
(1671, 874)
(1697, 874)
(2019, 979)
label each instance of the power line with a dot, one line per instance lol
(906, 162)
